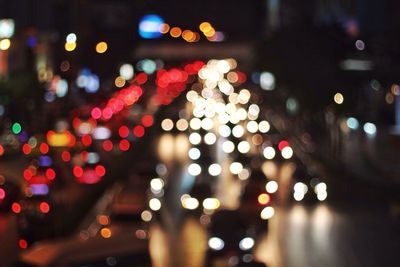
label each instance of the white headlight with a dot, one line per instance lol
(271, 187)
(246, 243)
(267, 213)
(216, 243)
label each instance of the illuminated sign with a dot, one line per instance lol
(149, 27)
(65, 139)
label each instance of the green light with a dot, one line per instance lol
(16, 128)
(149, 66)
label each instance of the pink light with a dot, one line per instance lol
(96, 113)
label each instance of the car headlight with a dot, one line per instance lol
(216, 243)
(246, 243)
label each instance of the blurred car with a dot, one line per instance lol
(306, 187)
(39, 176)
(87, 168)
(198, 193)
(230, 235)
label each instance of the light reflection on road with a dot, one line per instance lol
(159, 247)
(300, 236)
(187, 248)
(193, 243)
(297, 236)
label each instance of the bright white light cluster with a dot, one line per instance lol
(321, 190)
(300, 190)
(221, 113)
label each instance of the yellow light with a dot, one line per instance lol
(105, 232)
(196, 37)
(60, 139)
(164, 28)
(101, 47)
(175, 32)
(205, 26)
(190, 203)
(119, 81)
(5, 44)
(211, 203)
(70, 46)
(188, 35)
(338, 98)
(210, 32)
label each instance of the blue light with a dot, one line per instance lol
(149, 27)
(87, 80)
(45, 161)
(352, 123)
(39, 189)
(32, 41)
(93, 84)
(23, 136)
(370, 128)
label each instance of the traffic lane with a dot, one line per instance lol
(324, 236)
(85, 249)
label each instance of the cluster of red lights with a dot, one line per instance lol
(171, 83)
(33, 177)
(122, 99)
(43, 148)
(193, 68)
(89, 175)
